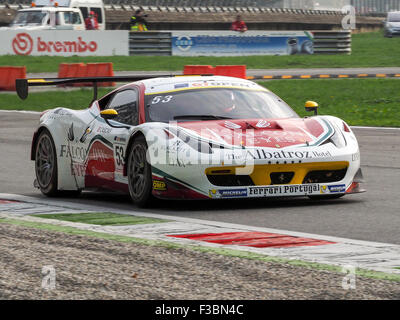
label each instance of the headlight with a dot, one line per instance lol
(337, 139)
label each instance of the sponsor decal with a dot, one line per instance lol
(86, 133)
(244, 85)
(184, 43)
(70, 133)
(285, 189)
(281, 154)
(181, 85)
(119, 139)
(103, 130)
(324, 189)
(78, 169)
(66, 46)
(228, 193)
(76, 153)
(159, 185)
(355, 156)
(337, 188)
(58, 113)
(23, 44)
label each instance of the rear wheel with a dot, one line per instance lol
(139, 173)
(46, 164)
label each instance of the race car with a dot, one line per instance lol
(192, 137)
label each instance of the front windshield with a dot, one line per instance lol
(394, 17)
(215, 103)
(29, 17)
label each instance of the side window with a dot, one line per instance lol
(76, 18)
(126, 104)
(98, 15)
(84, 11)
(67, 17)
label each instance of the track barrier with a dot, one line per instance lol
(238, 71)
(8, 76)
(79, 70)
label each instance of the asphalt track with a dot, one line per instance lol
(275, 73)
(373, 216)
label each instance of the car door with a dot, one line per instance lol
(107, 153)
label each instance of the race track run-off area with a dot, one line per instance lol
(357, 231)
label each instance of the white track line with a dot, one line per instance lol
(134, 212)
(363, 254)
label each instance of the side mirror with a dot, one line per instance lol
(311, 106)
(109, 114)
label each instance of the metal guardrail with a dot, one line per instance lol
(150, 43)
(332, 42)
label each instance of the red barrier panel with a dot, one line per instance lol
(79, 70)
(8, 76)
(101, 70)
(198, 69)
(231, 71)
(71, 70)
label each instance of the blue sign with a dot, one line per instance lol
(230, 43)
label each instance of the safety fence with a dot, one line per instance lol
(150, 43)
(332, 42)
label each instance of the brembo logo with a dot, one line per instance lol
(23, 44)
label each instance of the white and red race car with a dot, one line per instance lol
(192, 137)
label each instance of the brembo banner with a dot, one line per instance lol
(64, 43)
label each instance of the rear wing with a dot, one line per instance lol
(22, 85)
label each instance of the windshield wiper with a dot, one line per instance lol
(201, 117)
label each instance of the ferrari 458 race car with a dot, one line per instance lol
(192, 137)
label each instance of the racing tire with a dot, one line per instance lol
(326, 197)
(46, 164)
(139, 173)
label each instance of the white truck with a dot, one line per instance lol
(60, 15)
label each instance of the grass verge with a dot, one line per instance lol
(368, 50)
(100, 218)
(225, 252)
(364, 102)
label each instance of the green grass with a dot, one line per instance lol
(368, 50)
(100, 218)
(40, 101)
(220, 251)
(365, 102)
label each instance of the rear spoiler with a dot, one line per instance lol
(22, 85)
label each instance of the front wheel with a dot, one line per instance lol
(139, 173)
